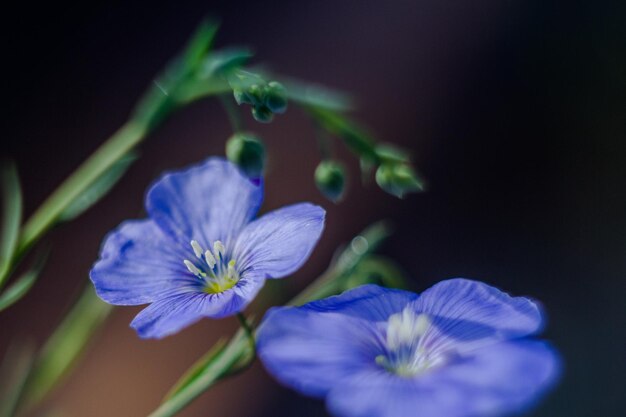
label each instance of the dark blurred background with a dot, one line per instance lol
(514, 112)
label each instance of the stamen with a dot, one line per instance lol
(405, 353)
(217, 272)
(197, 249)
(219, 250)
(209, 258)
(406, 328)
(231, 269)
(192, 268)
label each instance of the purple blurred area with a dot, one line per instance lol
(514, 112)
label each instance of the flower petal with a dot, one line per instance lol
(208, 202)
(171, 314)
(279, 242)
(468, 314)
(138, 265)
(369, 302)
(502, 378)
(312, 351)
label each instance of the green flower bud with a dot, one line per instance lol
(398, 179)
(248, 152)
(256, 94)
(262, 114)
(388, 152)
(330, 178)
(276, 97)
(241, 97)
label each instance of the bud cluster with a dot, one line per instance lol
(266, 99)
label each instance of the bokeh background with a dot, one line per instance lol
(514, 112)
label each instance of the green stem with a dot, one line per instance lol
(222, 363)
(122, 141)
(248, 330)
(234, 117)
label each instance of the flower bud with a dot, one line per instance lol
(276, 97)
(262, 114)
(330, 178)
(256, 94)
(248, 152)
(398, 179)
(241, 97)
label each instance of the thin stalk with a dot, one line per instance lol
(248, 330)
(222, 363)
(122, 141)
(234, 116)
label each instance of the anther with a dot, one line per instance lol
(192, 268)
(231, 269)
(219, 250)
(209, 258)
(197, 249)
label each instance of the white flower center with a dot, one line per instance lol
(217, 272)
(405, 353)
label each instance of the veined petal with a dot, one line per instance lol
(279, 242)
(171, 314)
(138, 265)
(466, 314)
(369, 302)
(208, 202)
(502, 378)
(312, 351)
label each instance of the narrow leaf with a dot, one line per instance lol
(64, 347)
(314, 95)
(375, 269)
(243, 79)
(14, 371)
(11, 216)
(215, 369)
(18, 289)
(98, 189)
(197, 369)
(354, 136)
(224, 61)
(199, 45)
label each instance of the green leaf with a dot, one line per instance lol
(314, 95)
(99, 188)
(344, 262)
(199, 45)
(224, 61)
(376, 269)
(19, 288)
(389, 152)
(243, 79)
(14, 371)
(218, 366)
(354, 136)
(171, 87)
(64, 347)
(197, 369)
(398, 179)
(11, 217)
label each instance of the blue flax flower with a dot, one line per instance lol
(200, 253)
(459, 349)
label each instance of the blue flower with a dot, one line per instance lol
(200, 253)
(458, 350)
